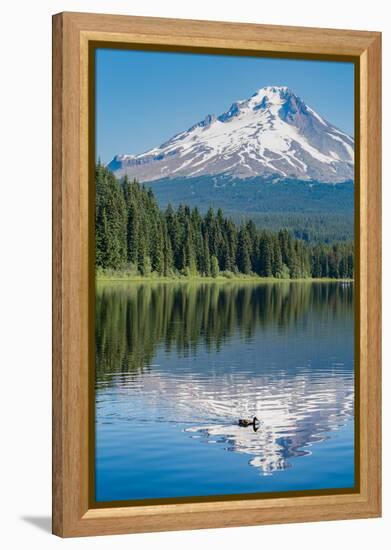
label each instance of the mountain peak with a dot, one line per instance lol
(272, 92)
(273, 132)
(268, 97)
(274, 96)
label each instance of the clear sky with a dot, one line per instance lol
(144, 98)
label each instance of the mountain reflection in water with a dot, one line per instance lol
(200, 356)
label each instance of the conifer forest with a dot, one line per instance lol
(134, 235)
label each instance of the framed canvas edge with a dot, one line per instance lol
(72, 32)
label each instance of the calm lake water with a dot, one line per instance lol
(178, 364)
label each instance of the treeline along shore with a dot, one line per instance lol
(134, 237)
(188, 318)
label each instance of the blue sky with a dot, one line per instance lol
(144, 98)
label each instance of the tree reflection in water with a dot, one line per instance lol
(298, 398)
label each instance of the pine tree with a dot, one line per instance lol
(168, 258)
(316, 265)
(266, 255)
(157, 251)
(277, 266)
(190, 264)
(333, 263)
(254, 245)
(214, 267)
(324, 261)
(243, 252)
(173, 232)
(232, 243)
(294, 261)
(206, 267)
(131, 229)
(284, 237)
(212, 231)
(198, 243)
(110, 221)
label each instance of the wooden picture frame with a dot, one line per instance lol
(73, 274)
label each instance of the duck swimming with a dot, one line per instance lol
(245, 422)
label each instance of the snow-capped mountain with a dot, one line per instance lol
(272, 133)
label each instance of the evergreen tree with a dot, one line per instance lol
(110, 221)
(173, 232)
(266, 254)
(197, 239)
(157, 248)
(214, 266)
(132, 234)
(316, 264)
(131, 229)
(190, 264)
(206, 267)
(254, 245)
(294, 260)
(277, 265)
(168, 260)
(232, 243)
(243, 252)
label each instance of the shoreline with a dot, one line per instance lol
(210, 280)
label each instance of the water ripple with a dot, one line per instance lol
(283, 356)
(294, 412)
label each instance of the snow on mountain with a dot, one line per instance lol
(272, 133)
